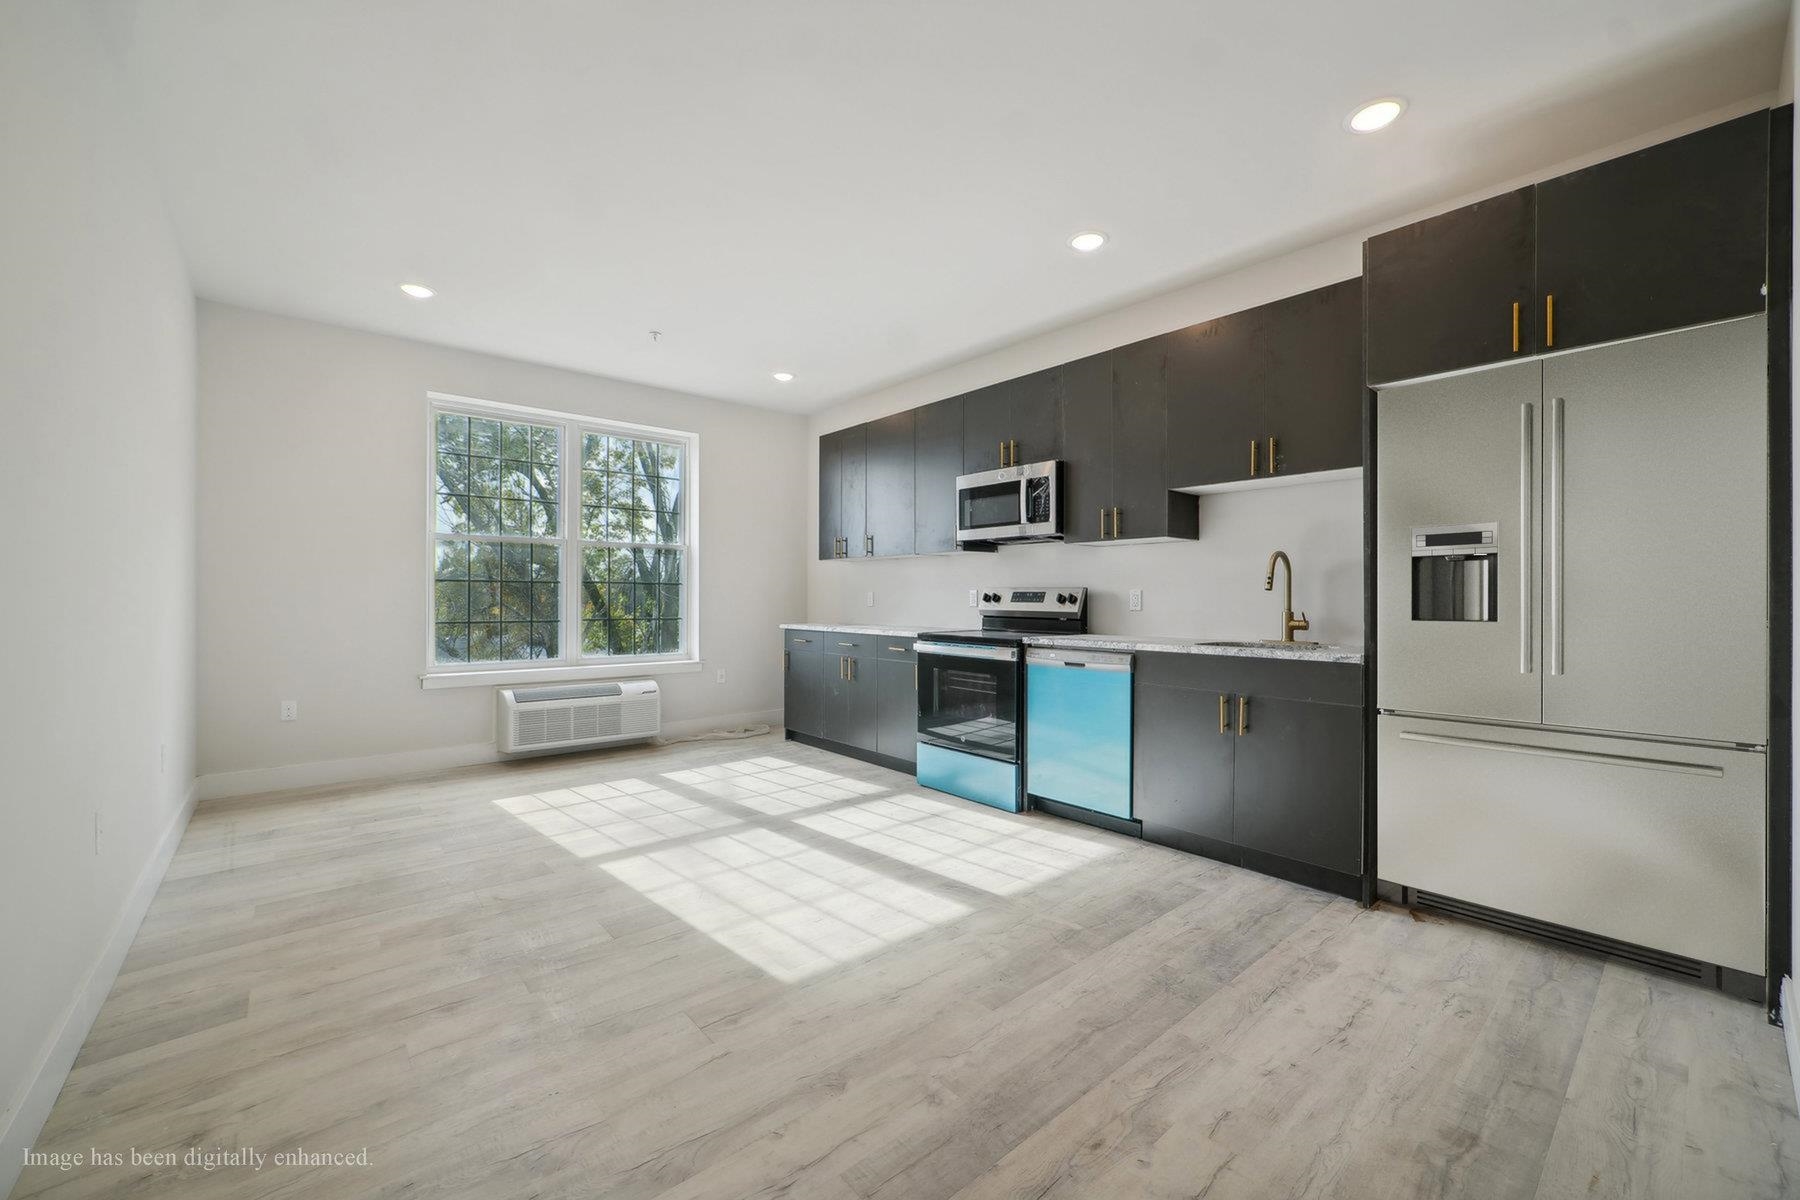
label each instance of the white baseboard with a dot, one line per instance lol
(1790, 1028)
(40, 1092)
(256, 780)
(373, 767)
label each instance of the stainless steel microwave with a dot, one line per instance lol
(1013, 504)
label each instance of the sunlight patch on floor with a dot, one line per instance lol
(780, 904)
(607, 818)
(970, 845)
(774, 787)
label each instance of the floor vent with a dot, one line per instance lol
(1593, 943)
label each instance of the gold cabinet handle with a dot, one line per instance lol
(1103, 524)
(1549, 320)
(851, 668)
(1243, 715)
(843, 667)
(1515, 349)
(1003, 453)
(1271, 456)
(1012, 449)
(1115, 523)
(1253, 458)
(1224, 721)
(787, 661)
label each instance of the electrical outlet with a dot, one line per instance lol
(290, 710)
(869, 600)
(972, 601)
(1137, 599)
(721, 675)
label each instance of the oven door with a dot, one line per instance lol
(990, 509)
(969, 698)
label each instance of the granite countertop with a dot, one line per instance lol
(893, 631)
(1300, 651)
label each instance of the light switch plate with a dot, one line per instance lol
(972, 601)
(869, 600)
(1137, 599)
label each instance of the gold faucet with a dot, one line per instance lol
(1289, 622)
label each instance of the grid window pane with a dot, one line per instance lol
(631, 601)
(496, 602)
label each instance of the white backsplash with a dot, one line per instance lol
(1209, 588)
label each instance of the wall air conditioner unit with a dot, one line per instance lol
(559, 717)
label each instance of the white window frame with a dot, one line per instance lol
(572, 665)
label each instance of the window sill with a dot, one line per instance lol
(505, 676)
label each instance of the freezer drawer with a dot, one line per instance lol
(1647, 842)
(1078, 729)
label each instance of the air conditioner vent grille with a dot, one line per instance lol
(547, 718)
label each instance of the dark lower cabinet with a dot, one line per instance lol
(897, 709)
(1181, 768)
(862, 701)
(810, 690)
(1297, 782)
(1253, 761)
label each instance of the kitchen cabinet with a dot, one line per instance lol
(1115, 463)
(843, 493)
(937, 461)
(1444, 293)
(1668, 237)
(897, 707)
(888, 528)
(1255, 761)
(1181, 767)
(852, 693)
(1297, 781)
(1671, 236)
(1011, 423)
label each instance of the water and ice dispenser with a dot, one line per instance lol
(1456, 572)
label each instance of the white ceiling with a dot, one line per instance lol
(855, 191)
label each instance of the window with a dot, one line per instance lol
(557, 540)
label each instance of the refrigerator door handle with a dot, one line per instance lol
(1710, 770)
(1553, 535)
(1527, 661)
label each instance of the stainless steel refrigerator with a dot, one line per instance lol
(1572, 668)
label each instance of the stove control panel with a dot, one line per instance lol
(1034, 601)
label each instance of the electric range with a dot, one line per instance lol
(972, 692)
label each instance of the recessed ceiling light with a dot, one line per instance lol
(784, 377)
(417, 291)
(1087, 241)
(1376, 114)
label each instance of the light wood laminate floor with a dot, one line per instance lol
(752, 969)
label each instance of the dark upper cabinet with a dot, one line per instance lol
(1181, 766)
(987, 424)
(937, 461)
(889, 525)
(1297, 782)
(1313, 406)
(1440, 294)
(1219, 374)
(1034, 432)
(831, 495)
(1115, 449)
(1671, 236)
(1087, 476)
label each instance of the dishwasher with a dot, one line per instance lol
(1078, 730)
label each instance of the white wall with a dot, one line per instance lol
(96, 484)
(1211, 588)
(312, 553)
